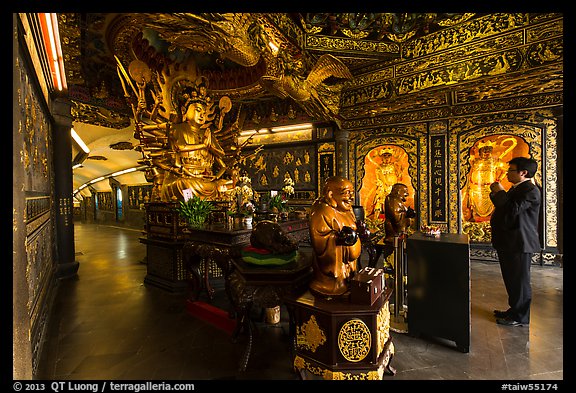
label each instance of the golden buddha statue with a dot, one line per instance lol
(334, 239)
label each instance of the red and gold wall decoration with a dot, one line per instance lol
(384, 165)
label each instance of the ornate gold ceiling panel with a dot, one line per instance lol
(414, 63)
(353, 46)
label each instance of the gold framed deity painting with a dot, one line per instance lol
(384, 166)
(488, 161)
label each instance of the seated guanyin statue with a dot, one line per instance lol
(180, 132)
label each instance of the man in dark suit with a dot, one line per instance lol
(515, 237)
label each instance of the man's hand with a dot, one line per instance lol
(496, 186)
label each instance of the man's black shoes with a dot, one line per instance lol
(500, 313)
(509, 322)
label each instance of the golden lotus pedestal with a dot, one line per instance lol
(338, 340)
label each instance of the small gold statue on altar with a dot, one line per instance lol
(334, 239)
(398, 215)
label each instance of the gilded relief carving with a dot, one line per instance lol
(138, 195)
(354, 340)
(105, 201)
(274, 138)
(265, 167)
(546, 99)
(501, 51)
(36, 208)
(372, 76)
(35, 128)
(551, 181)
(383, 324)
(301, 364)
(530, 84)
(69, 26)
(38, 267)
(396, 103)
(542, 32)
(397, 118)
(350, 45)
(467, 32)
(342, 376)
(287, 29)
(460, 53)
(496, 64)
(231, 33)
(545, 52)
(33, 138)
(366, 94)
(309, 335)
(91, 114)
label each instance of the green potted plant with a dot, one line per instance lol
(279, 202)
(195, 210)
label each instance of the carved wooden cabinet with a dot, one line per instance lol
(337, 339)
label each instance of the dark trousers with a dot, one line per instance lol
(515, 269)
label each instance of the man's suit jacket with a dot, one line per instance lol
(515, 218)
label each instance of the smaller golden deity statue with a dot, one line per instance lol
(398, 215)
(334, 239)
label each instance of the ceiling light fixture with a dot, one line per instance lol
(247, 132)
(79, 141)
(97, 180)
(252, 132)
(304, 126)
(51, 36)
(118, 173)
(123, 172)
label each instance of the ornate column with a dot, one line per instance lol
(21, 344)
(62, 149)
(559, 112)
(342, 152)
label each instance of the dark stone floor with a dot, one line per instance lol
(108, 325)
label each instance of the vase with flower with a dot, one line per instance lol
(247, 212)
(243, 200)
(279, 200)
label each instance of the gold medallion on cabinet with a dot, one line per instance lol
(354, 340)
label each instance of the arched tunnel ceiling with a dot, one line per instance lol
(385, 63)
